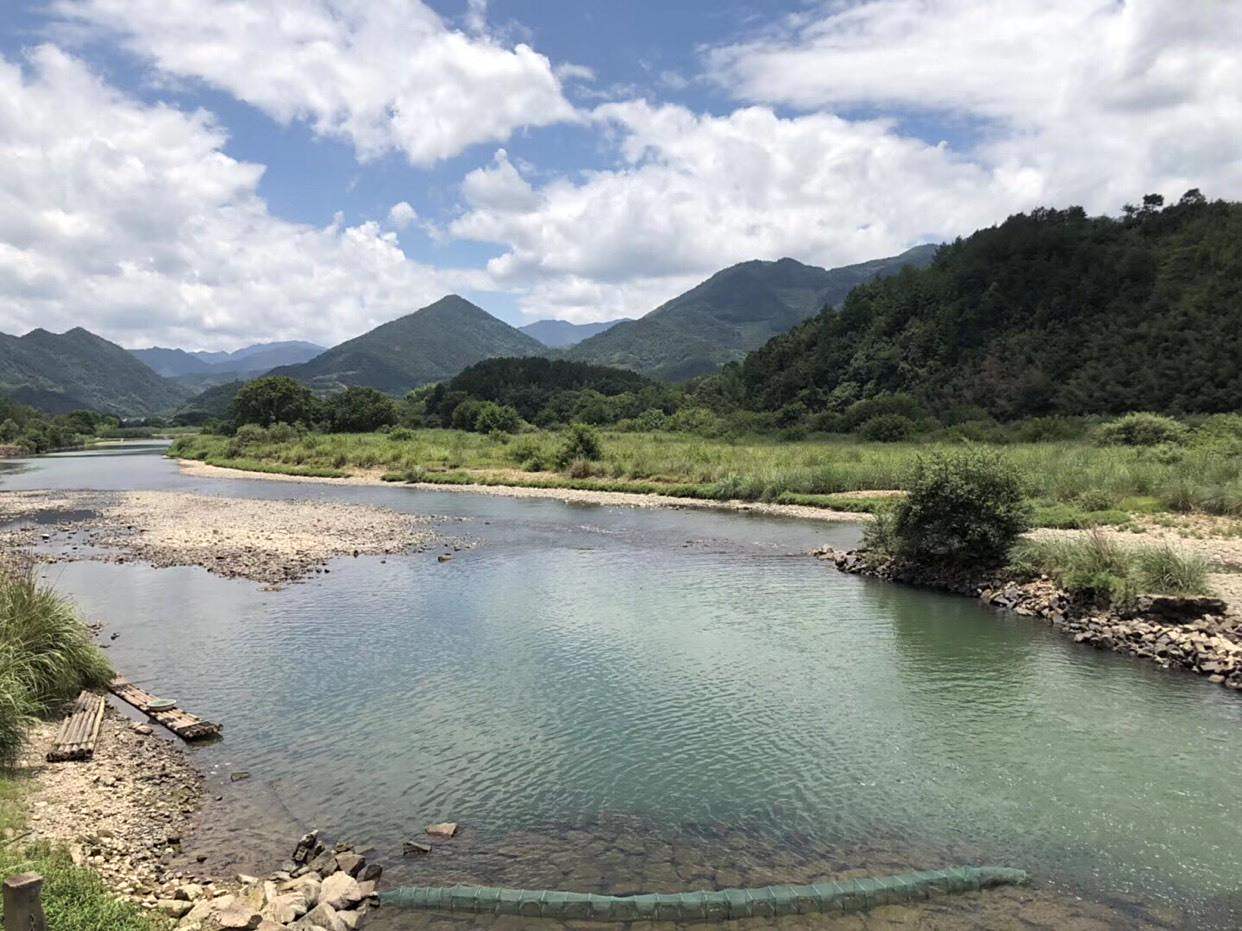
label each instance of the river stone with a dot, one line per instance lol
(350, 862)
(443, 829)
(322, 916)
(305, 886)
(371, 872)
(286, 908)
(175, 908)
(237, 916)
(197, 914)
(340, 890)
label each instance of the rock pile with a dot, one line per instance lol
(321, 890)
(1190, 633)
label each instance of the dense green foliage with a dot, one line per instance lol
(965, 508)
(1100, 570)
(360, 410)
(540, 391)
(32, 431)
(734, 311)
(46, 655)
(1141, 429)
(1051, 312)
(61, 372)
(275, 399)
(431, 344)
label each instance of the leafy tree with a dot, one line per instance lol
(360, 410)
(274, 399)
(1141, 429)
(581, 442)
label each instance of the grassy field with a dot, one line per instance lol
(1073, 484)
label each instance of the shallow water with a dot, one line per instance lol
(619, 699)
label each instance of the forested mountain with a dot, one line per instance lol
(1049, 312)
(735, 310)
(561, 334)
(250, 360)
(431, 344)
(58, 372)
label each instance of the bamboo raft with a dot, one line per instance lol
(78, 732)
(185, 725)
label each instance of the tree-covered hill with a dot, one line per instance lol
(59, 372)
(730, 313)
(431, 344)
(1049, 312)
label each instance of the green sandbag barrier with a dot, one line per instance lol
(766, 902)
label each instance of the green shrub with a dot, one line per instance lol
(888, 428)
(401, 434)
(860, 412)
(496, 418)
(965, 508)
(581, 442)
(879, 536)
(1141, 429)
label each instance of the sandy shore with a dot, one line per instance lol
(274, 542)
(572, 495)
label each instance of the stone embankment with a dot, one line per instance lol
(1192, 633)
(319, 890)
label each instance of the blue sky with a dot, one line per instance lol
(210, 172)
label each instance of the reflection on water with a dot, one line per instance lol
(690, 677)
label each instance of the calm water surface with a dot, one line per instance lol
(684, 675)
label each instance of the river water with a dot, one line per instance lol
(615, 699)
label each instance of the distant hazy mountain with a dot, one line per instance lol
(732, 312)
(561, 334)
(222, 366)
(77, 369)
(431, 344)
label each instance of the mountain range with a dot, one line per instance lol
(250, 360)
(60, 372)
(734, 311)
(431, 344)
(561, 334)
(1051, 312)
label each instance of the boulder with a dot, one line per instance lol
(237, 917)
(340, 890)
(350, 862)
(322, 916)
(443, 829)
(174, 908)
(285, 909)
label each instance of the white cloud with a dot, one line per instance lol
(1082, 101)
(129, 219)
(385, 75)
(695, 193)
(401, 215)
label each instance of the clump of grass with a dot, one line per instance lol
(46, 656)
(1101, 570)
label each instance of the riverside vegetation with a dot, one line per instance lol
(46, 658)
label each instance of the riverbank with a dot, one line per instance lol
(272, 542)
(1197, 634)
(375, 477)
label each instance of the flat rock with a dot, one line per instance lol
(237, 916)
(443, 829)
(340, 890)
(174, 908)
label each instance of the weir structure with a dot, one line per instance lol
(724, 904)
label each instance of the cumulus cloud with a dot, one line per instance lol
(384, 75)
(130, 219)
(1082, 101)
(696, 192)
(401, 215)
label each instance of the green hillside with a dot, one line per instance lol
(58, 372)
(1051, 312)
(732, 312)
(432, 344)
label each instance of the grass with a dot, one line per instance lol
(1102, 570)
(46, 658)
(1072, 483)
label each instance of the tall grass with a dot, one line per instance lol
(46, 655)
(1100, 569)
(1074, 483)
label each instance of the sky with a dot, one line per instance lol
(212, 173)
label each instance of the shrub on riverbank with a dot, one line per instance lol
(1141, 429)
(1097, 568)
(46, 655)
(964, 508)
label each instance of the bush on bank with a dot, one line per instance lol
(962, 508)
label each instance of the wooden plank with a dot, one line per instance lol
(79, 732)
(185, 725)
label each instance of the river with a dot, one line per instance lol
(617, 699)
